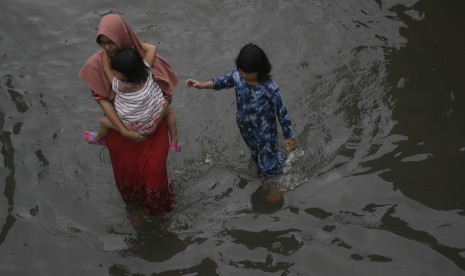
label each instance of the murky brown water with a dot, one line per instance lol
(376, 94)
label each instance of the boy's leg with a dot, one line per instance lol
(270, 158)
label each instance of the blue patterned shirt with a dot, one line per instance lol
(257, 106)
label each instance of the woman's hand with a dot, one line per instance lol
(290, 144)
(110, 112)
(132, 135)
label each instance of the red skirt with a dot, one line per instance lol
(140, 170)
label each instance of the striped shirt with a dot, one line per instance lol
(138, 106)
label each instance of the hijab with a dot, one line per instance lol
(118, 30)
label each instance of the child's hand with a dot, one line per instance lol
(106, 59)
(105, 56)
(290, 144)
(192, 83)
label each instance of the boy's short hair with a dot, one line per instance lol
(253, 59)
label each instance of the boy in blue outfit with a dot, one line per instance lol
(258, 103)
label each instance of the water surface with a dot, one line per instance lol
(375, 90)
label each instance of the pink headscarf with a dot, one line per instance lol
(118, 30)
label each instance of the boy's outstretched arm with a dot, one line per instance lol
(199, 85)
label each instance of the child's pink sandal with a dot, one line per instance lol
(176, 148)
(88, 137)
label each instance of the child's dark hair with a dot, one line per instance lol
(253, 59)
(128, 62)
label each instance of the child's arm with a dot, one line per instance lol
(150, 52)
(216, 83)
(107, 67)
(199, 85)
(283, 116)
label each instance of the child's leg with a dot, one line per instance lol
(104, 128)
(171, 124)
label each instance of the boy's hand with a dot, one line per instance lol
(192, 83)
(290, 144)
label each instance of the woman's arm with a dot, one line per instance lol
(111, 114)
(107, 67)
(150, 52)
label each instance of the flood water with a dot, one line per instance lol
(376, 93)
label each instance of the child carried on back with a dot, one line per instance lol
(139, 101)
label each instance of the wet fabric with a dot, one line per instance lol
(140, 170)
(257, 108)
